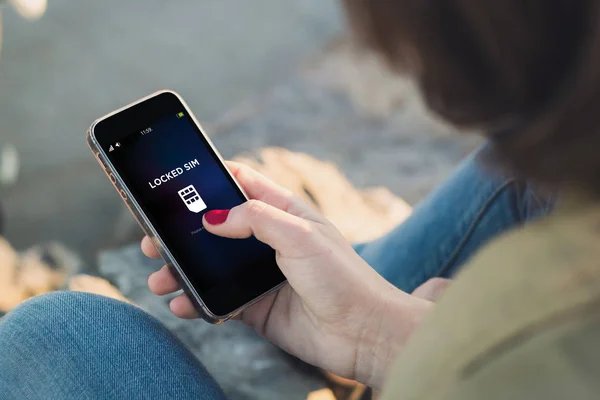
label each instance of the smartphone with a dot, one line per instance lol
(169, 174)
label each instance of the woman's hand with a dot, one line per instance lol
(337, 312)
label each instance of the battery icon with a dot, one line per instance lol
(180, 115)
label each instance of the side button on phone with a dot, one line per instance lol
(123, 194)
(113, 179)
(100, 161)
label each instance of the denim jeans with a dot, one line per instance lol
(68, 345)
(452, 223)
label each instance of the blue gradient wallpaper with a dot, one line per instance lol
(176, 178)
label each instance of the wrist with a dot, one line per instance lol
(388, 330)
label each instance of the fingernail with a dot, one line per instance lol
(216, 217)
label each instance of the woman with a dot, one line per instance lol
(521, 320)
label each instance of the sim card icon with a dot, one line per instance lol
(192, 199)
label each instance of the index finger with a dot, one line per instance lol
(259, 187)
(256, 186)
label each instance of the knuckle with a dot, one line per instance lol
(255, 208)
(305, 232)
(242, 169)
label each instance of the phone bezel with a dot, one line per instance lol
(138, 212)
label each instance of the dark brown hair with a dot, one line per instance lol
(525, 72)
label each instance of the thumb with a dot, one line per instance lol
(287, 234)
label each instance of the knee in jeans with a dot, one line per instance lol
(62, 309)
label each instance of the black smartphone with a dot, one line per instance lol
(169, 174)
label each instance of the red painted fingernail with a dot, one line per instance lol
(216, 217)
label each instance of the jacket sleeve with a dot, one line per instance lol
(556, 360)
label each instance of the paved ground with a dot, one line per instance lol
(83, 59)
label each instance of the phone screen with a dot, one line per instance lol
(175, 177)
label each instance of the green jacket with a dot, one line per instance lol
(522, 321)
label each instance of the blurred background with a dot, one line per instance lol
(258, 74)
(81, 60)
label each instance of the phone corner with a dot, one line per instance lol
(169, 92)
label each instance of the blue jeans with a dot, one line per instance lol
(78, 346)
(451, 224)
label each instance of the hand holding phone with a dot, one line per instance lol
(337, 312)
(169, 174)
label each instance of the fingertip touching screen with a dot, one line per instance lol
(175, 177)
